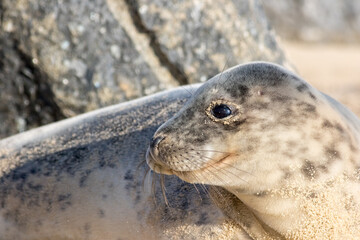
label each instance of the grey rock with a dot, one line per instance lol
(91, 54)
(315, 21)
(26, 99)
(201, 37)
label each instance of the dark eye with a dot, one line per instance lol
(221, 111)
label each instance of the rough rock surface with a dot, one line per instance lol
(61, 58)
(316, 21)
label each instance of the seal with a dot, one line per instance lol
(79, 179)
(281, 158)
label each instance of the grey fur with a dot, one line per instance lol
(283, 138)
(79, 179)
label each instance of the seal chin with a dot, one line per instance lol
(155, 165)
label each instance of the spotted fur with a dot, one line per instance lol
(80, 179)
(288, 152)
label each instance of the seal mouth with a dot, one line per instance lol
(159, 167)
(156, 165)
(192, 176)
(212, 164)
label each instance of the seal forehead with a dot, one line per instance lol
(262, 74)
(238, 81)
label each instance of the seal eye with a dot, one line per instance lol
(221, 111)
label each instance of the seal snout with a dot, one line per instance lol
(153, 158)
(154, 145)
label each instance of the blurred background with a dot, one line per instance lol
(62, 58)
(322, 39)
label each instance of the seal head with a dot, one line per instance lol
(258, 130)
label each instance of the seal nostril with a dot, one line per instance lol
(155, 142)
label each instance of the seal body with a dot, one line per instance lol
(282, 157)
(79, 179)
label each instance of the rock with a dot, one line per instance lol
(78, 56)
(315, 21)
(26, 99)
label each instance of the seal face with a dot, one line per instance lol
(272, 140)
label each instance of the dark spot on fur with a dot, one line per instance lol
(62, 197)
(353, 148)
(35, 187)
(306, 107)
(323, 168)
(17, 175)
(332, 153)
(302, 87)
(129, 176)
(312, 96)
(312, 195)
(280, 98)
(261, 194)
(64, 201)
(101, 213)
(238, 91)
(339, 128)
(287, 174)
(203, 219)
(309, 170)
(34, 170)
(327, 124)
(84, 177)
(87, 229)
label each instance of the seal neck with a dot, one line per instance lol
(275, 212)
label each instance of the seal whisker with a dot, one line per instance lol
(181, 174)
(205, 188)
(163, 189)
(236, 168)
(153, 185)
(202, 185)
(191, 94)
(197, 190)
(223, 162)
(144, 178)
(208, 150)
(141, 164)
(222, 170)
(225, 65)
(215, 174)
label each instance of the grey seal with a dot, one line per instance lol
(79, 179)
(282, 158)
